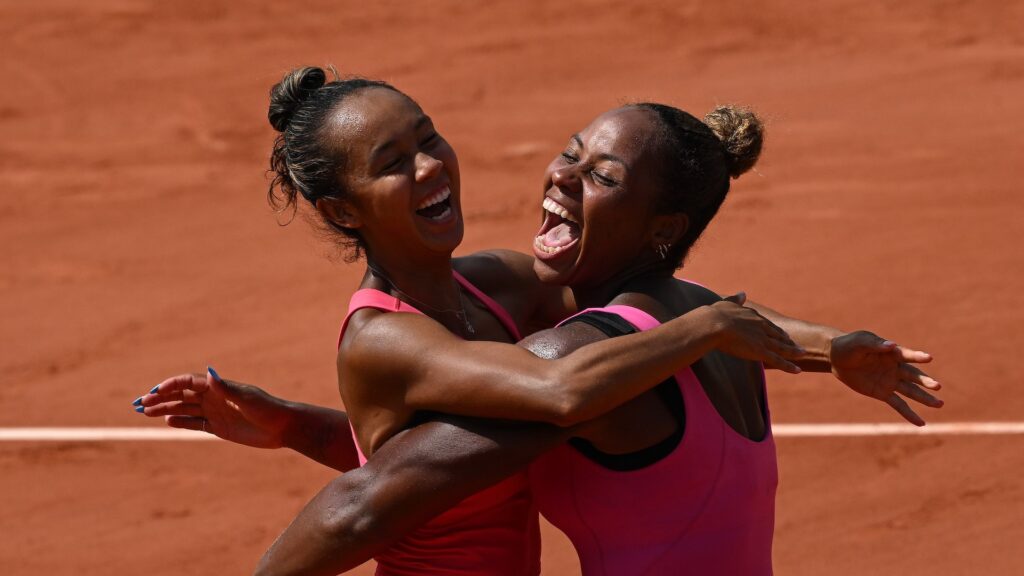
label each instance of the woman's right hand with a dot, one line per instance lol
(237, 412)
(742, 332)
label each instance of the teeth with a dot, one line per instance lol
(538, 243)
(439, 196)
(557, 209)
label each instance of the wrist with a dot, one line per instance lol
(289, 431)
(710, 332)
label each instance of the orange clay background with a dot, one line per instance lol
(137, 244)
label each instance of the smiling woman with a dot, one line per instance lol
(428, 336)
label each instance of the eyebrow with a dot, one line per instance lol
(604, 156)
(384, 146)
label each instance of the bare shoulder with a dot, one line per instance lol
(555, 343)
(379, 343)
(497, 270)
(508, 277)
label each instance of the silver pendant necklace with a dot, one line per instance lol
(459, 312)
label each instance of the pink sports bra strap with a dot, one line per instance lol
(371, 298)
(499, 312)
(635, 316)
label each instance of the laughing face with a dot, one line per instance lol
(599, 218)
(402, 176)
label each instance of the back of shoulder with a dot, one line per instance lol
(700, 295)
(495, 270)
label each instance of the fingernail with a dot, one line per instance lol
(888, 343)
(138, 401)
(140, 409)
(214, 373)
(153, 390)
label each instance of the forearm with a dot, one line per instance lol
(322, 434)
(488, 380)
(601, 376)
(416, 475)
(816, 339)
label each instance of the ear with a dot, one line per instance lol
(668, 228)
(338, 212)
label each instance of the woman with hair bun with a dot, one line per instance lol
(622, 206)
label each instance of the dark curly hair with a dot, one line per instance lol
(301, 162)
(698, 159)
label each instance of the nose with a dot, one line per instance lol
(566, 178)
(427, 167)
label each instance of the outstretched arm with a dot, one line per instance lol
(865, 362)
(247, 415)
(415, 364)
(414, 476)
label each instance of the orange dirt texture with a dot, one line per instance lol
(137, 244)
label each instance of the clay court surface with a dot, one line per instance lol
(137, 244)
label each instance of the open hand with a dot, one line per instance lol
(885, 371)
(237, 412)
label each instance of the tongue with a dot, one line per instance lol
(561, 235)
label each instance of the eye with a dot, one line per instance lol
(602, 179)
(392, 165)
(570, 157)
(431, 139)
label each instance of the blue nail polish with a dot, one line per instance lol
(153, 391)
(140, 409)
(214, 373)
(138, 401)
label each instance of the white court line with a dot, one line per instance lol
(945, 428)
(100, 434)
(779, 430)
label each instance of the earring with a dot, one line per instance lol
(662, 250)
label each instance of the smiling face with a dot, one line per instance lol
(599, 203)
(402, 177)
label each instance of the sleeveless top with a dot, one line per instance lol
(495, 531)
(705, 508)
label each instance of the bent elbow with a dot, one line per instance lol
(570, 408)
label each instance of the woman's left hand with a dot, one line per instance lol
(883, 370)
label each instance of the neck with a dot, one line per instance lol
(430, 282)
(428, 285)
(635, 278)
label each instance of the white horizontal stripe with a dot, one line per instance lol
(101, 434)
(946, 428)
(779, 430)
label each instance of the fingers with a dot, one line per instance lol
(773, 360)
(918, 395)
(914, 375)
(785, 348)
(183, 387)
(900, 405)
(737, 298)
(194, 382)
(174, 409)
(915, 356)
(772, 329)
(186, 422)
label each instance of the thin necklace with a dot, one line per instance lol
(459, 312)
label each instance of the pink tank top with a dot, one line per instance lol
(495, 531)
(707, 508)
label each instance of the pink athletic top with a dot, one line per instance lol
(707, 508)
(494, 531)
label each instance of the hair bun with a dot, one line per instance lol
(741, 134)
(287, 95)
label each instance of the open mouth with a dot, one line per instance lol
(437, 206)
(559, 231)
